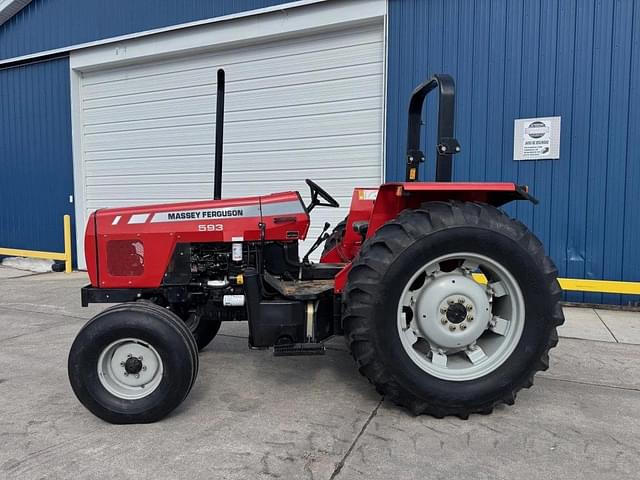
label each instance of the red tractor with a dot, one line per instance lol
(448, 306)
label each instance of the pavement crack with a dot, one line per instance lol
(342, 461)
(40, 330)
(591, 384)
(10, 306)
(605, 325)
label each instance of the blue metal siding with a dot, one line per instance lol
(36, 173)
(49, 24)
(579, 59)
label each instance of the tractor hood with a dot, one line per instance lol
(132, 246)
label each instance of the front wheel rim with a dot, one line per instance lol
(455, 327)
(130, 369)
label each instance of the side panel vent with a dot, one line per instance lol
(125, 258)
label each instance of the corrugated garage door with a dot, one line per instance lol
(304, 107)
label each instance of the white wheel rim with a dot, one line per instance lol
(130, 369)
(452, 326)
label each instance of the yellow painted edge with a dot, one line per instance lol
(582, 285)
(15, 252)
(67, 244)
(600, 286)
(65, 256)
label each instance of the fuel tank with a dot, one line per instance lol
(131, 247)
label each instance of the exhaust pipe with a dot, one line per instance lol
(217, 171)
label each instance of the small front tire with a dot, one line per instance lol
(132, 364)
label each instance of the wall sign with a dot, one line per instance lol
(536, 138)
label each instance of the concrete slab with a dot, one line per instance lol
(625, 326)
(8, 272)
(15, 323)
(252, 415)
(556, 430)
(48, 293)
(598, 363)
(584, 323)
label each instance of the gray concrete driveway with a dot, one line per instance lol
(251, 415)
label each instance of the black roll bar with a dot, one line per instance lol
(447, 144)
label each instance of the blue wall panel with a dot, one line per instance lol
(36, 174)
(579, 59)
(48, 24)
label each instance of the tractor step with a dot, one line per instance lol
(292, 349)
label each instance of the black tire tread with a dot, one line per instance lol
(380, 251)
(186, 333)
(169, 320)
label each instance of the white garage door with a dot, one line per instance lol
(306, 107)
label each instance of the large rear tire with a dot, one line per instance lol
(424, 329)
(133, 363)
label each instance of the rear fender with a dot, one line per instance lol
(393, 198)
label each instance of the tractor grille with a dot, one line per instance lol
(125, 258)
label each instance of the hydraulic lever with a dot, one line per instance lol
(321, 238)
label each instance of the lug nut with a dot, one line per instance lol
(452, 327)
(469, 318)
(137, 375)
(469, 307)
(140, 358)
(443, 321)
(450, 302)
(144, 368)
(461, 300)
(443, 310)
(122, 364)
(129, 356)
(463, 326)
(126, 374)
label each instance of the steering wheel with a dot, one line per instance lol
(317, 191)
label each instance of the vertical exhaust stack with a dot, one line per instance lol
(217, 170)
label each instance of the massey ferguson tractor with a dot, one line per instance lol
(447, 305)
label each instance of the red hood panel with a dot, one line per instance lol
(144, 237)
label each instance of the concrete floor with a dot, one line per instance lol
(251, 415)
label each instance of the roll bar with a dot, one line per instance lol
(447, 144)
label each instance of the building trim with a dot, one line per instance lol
(8, 8)
(234, 32)
(224, 18)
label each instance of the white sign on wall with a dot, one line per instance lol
(536, 138)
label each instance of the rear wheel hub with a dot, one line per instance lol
(456, 313)
(454, 327)
(453, 310)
